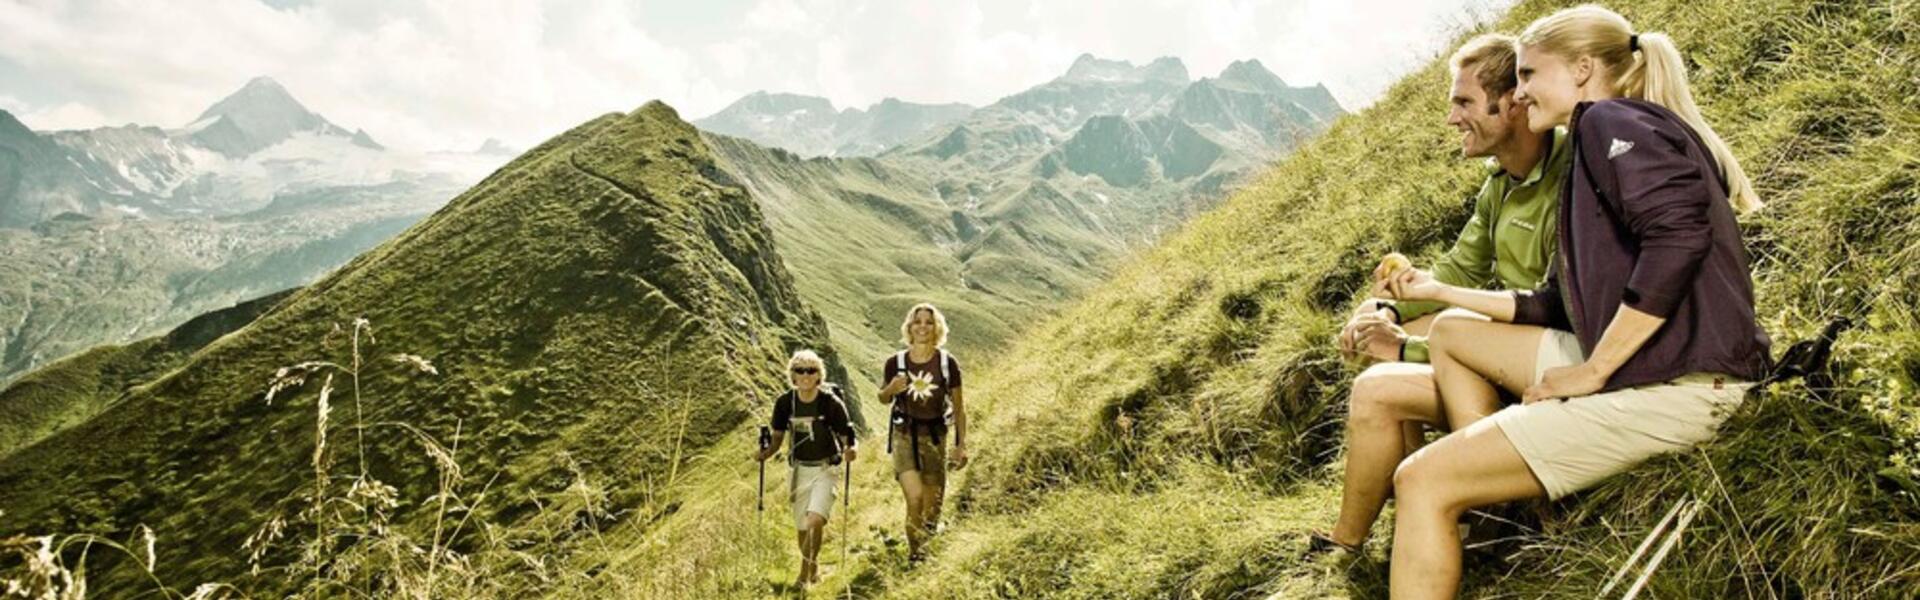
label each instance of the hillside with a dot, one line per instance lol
(1173, 433)
(1185, 457)
(599, 311)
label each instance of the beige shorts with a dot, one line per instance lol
(1572, 444)
(811, 489)
(933, 457)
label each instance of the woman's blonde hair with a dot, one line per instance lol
(939, 325)
(1655, 73)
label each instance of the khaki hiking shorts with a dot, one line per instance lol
(811, 489)
(933, 457)
(1574, 443)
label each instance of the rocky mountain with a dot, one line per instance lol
(810, 126)
(618, 267)
(260, 115)
(119, 233)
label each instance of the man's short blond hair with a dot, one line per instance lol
(1490, 58)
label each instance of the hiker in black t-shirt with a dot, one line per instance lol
(822, 438)
(923, 385)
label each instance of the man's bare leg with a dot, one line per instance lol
(1385, 398)
(1390, 404)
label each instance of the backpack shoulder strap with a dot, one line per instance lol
(945, 374)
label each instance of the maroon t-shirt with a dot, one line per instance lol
(927, 388)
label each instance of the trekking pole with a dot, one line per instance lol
(846, 516)
(760, 502)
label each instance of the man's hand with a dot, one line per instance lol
(1566, 382)
(850, 454)
(1381, 340)
(1351, 340)
(957, 459)
(761, 455)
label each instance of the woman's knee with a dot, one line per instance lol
(1451, 325)
(1421, 482)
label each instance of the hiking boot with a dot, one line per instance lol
(1321, 542)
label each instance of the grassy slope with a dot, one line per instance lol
(1214, 348)
(78, 387)
(633, 311)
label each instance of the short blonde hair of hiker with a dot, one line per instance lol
(939, 325)
(807, 358)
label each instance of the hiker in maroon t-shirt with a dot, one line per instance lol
(923, 383)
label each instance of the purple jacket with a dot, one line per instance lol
(1644, 220)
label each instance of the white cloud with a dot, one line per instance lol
(432, 74)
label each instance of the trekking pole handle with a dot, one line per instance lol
(766, 438)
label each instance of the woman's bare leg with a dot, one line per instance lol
(1469, 468)
(1471, 355)
(916, 493)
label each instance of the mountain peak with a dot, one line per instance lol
(1090, 68)
(1253, 73)
(260, 94)
(260, 114)
(495, 146)
(264, 84)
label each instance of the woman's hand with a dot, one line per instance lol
(957, 459)
(761, 455)
(899, 384)
(1414, 284)
(1566, 382)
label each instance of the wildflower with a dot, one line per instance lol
(419, 364)
(147, 539)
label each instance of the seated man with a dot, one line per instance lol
(1507, 243)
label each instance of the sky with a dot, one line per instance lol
(448, 74)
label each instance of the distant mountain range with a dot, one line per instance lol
(1246, 106)
(1002, 212)
(810, 125)
(117, 233)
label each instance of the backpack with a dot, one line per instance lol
(936, 428)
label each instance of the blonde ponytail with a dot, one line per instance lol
(1649, 67)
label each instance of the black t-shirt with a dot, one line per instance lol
(927, 388)
(812, 424)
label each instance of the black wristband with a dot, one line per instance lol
(1390, 307)
(1403, 349)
